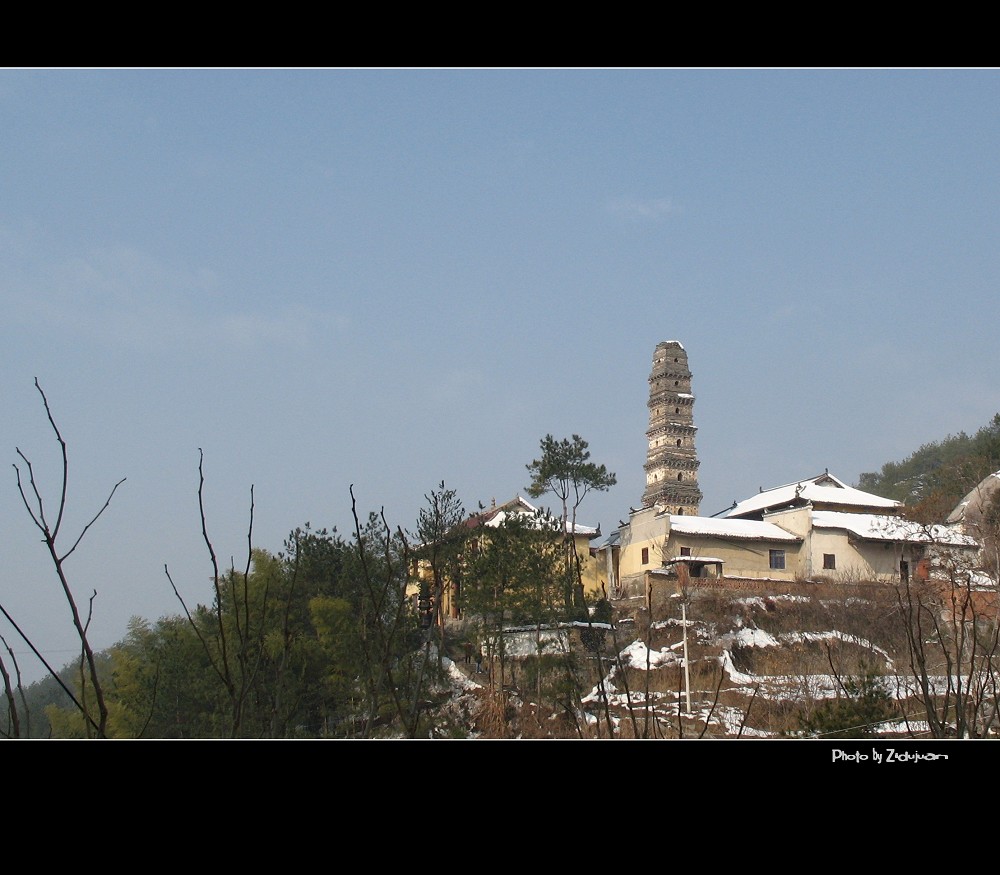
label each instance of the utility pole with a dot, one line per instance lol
(683, 596)
(687, 670)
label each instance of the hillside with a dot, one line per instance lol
(940, 472)
(766, 661)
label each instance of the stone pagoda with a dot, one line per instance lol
(671, 460)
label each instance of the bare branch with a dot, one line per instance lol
(50, 536)
(65, 460)
(746, 714)
(37, 518)
(236, 678)
(107, 502)
(15, 721)
(715, 702)
(242, 603)
(194, 625)
(49, 668)
(201, 509)
(215, 570)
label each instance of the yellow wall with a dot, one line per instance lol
(856, 559)
(651, 531)
(646, 529)
(592, 569)
(741, 558)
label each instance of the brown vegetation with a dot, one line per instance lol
(769, 662)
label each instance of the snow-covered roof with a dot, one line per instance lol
(744, 530)
(692, 560)
(878, 527)
(495, 517)
(612, 540)
(819, 490)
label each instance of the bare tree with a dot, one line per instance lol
(383, 559)
(229, 644)
(953, 643)
(51, 529)
(14, 720)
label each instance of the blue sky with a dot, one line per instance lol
(390, 278)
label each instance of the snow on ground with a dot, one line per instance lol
(850, 602)
(759, 638)
(637, 655)
(663, 624)
(754, 638)
(731, 719)
(841, 636)
(458, 678)
(757, 601)
(728, 720)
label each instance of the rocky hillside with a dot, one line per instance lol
(767, 660)
(762, 659)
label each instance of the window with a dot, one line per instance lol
(777, 559)
(645, 555)
(678, 441)
(685, 551)
(829, 562)
(679, 476)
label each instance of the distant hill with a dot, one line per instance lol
(939, 473)
(34, 723)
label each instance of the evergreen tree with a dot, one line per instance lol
(564, 469)
(861, 706)
(939, 473)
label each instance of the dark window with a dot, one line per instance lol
(777, 559)
(829, 561)
(679, 476)
(645, 555)
(685, 551)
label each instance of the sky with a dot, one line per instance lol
(390, 278)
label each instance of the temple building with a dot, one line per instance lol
(815, 529)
